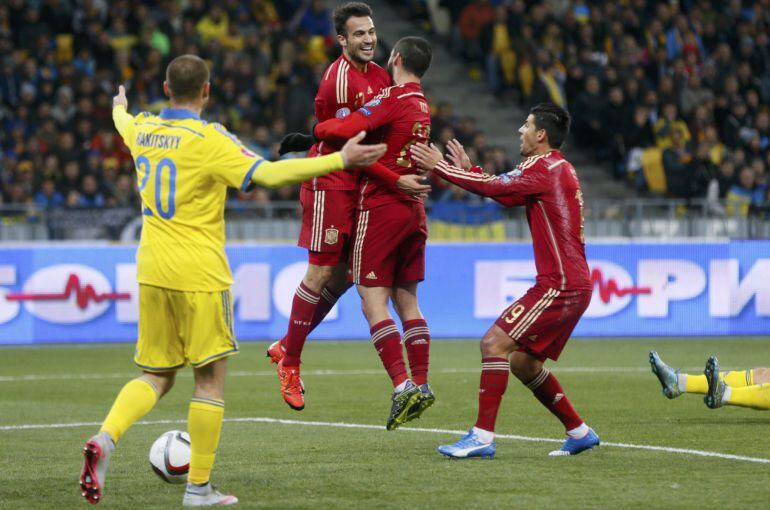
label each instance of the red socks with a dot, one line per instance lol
(494, 381)
(387, 341)
(302, 312)
(417, 342)
(550, 393)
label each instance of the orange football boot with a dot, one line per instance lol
(292, 389)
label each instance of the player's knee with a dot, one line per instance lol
(317, 277)
(162, 382)
(493, 346)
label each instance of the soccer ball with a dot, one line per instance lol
(170, 456)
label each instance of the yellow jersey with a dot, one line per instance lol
(184, 166)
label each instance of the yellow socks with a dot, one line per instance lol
(204, 424)
(739, 378)
(695, 384)
(756, 397)
(734, 379)
(134, 401)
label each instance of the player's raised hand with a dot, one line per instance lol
(413, 185)
(426, 157)
(120, 99)
(356, 155)
(457, 154)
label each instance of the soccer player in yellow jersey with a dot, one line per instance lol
(742, 388)
(184, 166)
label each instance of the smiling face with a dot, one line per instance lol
(360, 39)
(530, 136)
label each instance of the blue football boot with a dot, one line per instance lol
(574, 446)
(469, 446)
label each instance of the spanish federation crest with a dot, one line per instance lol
(331, 236)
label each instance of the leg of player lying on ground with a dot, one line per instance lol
(742, 388)
(538, 325)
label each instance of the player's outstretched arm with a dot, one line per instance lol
(507, 190)
(353, 154)
(338, 130)
(123, 120)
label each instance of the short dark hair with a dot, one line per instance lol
(346, 11)
(186, 76)
(416, 54)
(554, 120)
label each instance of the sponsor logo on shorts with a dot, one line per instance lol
(371, 276)
(369, 90)
(331, 236)
(342, 112)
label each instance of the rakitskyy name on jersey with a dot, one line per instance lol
(158, 141)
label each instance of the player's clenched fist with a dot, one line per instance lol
(120, 99)
(355, 155)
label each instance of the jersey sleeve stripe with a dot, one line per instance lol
(342, 82)
(247, 179)
(555, 164)
(408, 94)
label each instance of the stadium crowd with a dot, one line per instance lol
(61, 62)
(674, 95)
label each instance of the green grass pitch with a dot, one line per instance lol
(319, 465)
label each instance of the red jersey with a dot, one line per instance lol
(548, 187)
(343, 90)
(399, 117)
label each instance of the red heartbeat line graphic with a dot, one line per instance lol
(84, 295)
(610, 287)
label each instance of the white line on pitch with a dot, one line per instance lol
(666, 449)
(266, 373)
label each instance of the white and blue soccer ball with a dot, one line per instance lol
(170, 456)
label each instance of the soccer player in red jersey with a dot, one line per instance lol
(329, 202)
(388, 256)
(538, 325)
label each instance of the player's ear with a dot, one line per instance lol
(206, 92)
(342, 40)
(166, 90)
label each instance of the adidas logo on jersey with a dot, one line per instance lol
(371, 276)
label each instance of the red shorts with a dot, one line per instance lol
(327, 224)
(542, 320)
(389, 246)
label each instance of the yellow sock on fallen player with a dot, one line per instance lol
(739, 378)
(696, 384)
(756, 396)
(134, 401)
(204, 424)
(733, 378)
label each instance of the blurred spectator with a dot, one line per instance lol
(473, 18)
(676, 164)
(742, 194)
